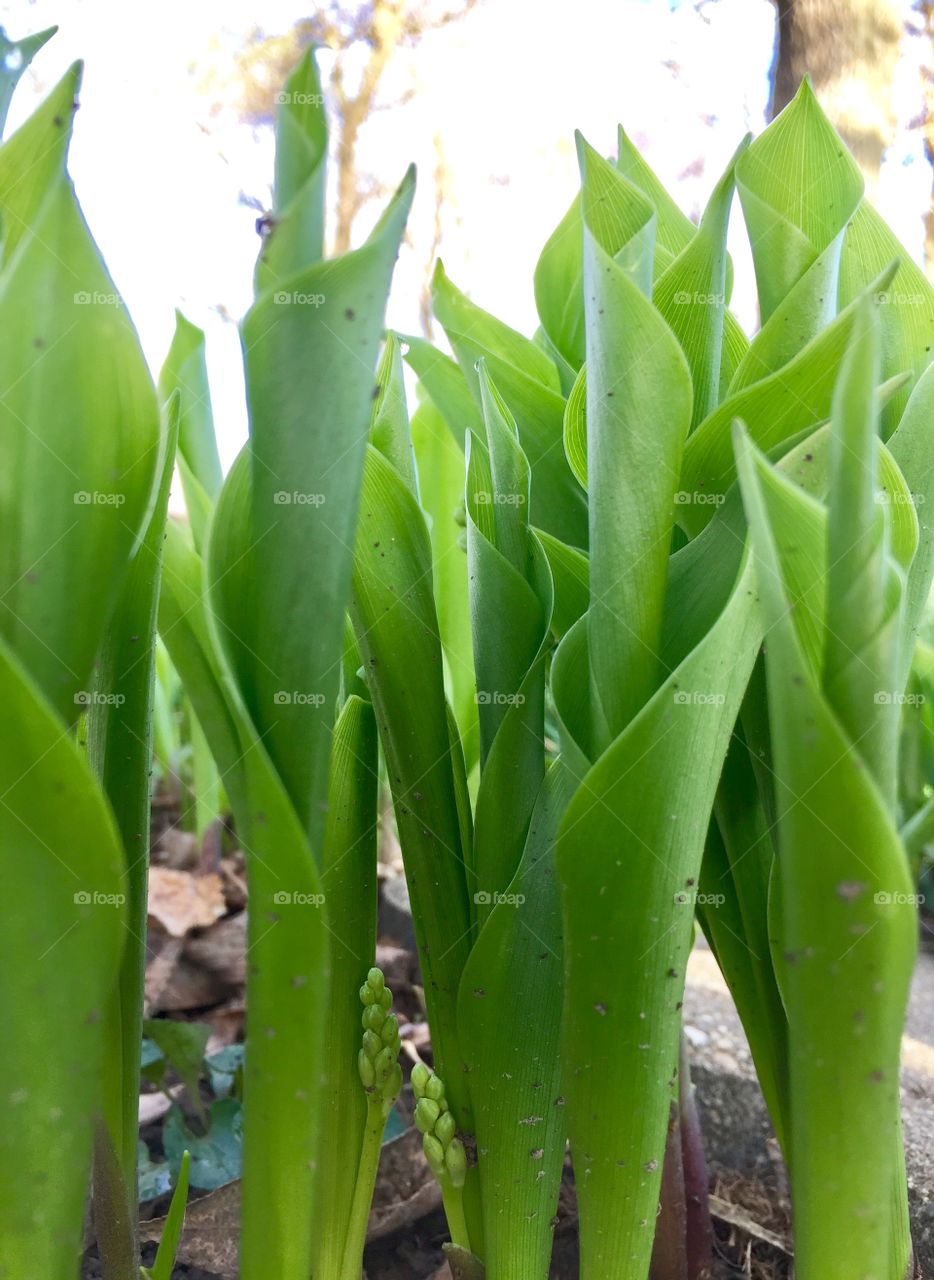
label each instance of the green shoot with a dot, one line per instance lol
(164, 1264)
(381, 1077)
(444, 1150)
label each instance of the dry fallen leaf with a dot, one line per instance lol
(181, 902)
(211, 1234)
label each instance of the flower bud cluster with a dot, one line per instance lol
(444, 1151)
(378, 1057)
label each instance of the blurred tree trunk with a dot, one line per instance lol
(927, 10)
(850, 49)
(386, 21)
(367, 37)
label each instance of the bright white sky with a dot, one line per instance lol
(161, 164)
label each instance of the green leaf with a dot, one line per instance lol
(509, 1010)
(293, 234)
(287, 938)
(185, 371)
(119, 744)
(864, 587)
(287, 935)
(629, 856)
(442, 477)
(528, 381)
(626, 222)
(441, 378)
(32, 157)
(733, 910)
(183, 1044)
(63, 868)
(510, 603)
(799, 186)
(673, 233)
(638, 411)
(15, 57)
(910, 447)
(348, 881)
(183, 627)
(570, 574)
(396, 625)
(310, 395)
(81, 427)
(154, 1178)
(77, 502)
(152, 1062)
(674, 229)
(215, 1156)
(164, 1264)
(848, 937)
(225, 1069)
(906, 301)
(389, 425)
(691, 295)
(774, 410)
(648, 733)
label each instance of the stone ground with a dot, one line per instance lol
(736, 1127)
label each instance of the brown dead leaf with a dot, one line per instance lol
(211, 1236)
(181, 902)
(209, 969)
(221, 950)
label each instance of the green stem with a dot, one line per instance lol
(352, 1264)
(114, 1214)
(453, 1198)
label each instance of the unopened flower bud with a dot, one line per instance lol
(373, 1017)
(455, 1161)
(426, 1113)
(434, 1154)
(383, 1064)
(366, 1069)
(445, 1128)
(371, 1044)
(393, 1086)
